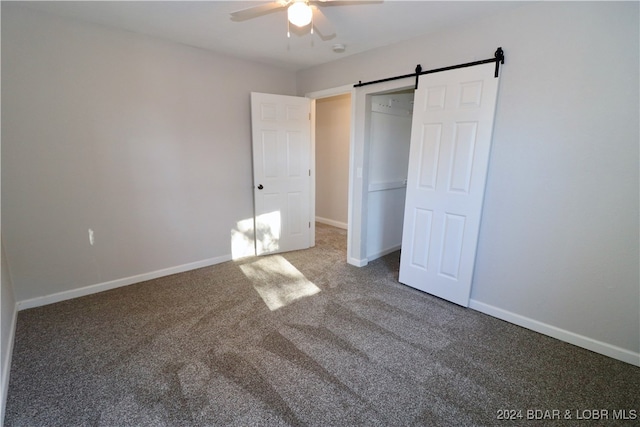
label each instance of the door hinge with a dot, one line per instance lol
(309, 172)
(309, 116)
(309, 224)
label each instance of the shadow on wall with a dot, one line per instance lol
(267, 235)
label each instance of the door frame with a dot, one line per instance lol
(358, 160)
(359, 166)
(329, 93)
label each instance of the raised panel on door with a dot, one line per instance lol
(421, 226)
(448, 163)
(451, 247)
(268, 224)
(269, 153)
(429, 155)
(294, 152)
(295, 201)
(268, 112)
(464, 142)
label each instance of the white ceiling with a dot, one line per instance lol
(207, 25)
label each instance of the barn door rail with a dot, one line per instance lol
(498, 58)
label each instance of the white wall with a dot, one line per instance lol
(333, 131)
(389, 140)
(146, 142)
(558, 249)
(8, 318)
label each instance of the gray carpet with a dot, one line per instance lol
(299, 338)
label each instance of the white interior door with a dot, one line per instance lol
(281, 134)
(448, 161)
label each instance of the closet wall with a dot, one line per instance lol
(390, 135)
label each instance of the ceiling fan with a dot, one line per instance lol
(299, 13)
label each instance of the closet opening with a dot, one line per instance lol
(389, 117)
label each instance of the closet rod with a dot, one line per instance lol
(498, 59)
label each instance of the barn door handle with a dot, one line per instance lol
(260, 187)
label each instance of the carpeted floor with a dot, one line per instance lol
(299, 338)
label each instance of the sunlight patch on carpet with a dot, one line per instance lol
(278, 282)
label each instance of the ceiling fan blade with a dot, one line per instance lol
(255, 11)
(325, 30)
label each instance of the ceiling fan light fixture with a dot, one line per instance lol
(299, 14)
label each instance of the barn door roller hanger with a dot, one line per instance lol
(498, 58)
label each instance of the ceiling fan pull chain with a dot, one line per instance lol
(288, 31)
(312, 21)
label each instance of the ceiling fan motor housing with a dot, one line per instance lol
(300, 13)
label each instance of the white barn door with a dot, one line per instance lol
(448, 161)
(281, 134)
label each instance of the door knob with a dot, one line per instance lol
(260, 187)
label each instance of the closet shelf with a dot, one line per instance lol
(389, 185)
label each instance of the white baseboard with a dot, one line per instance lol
(327, 221)
(105, 286)
(6, 364)
(357, 262)
(383, 252)
(561, 334)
